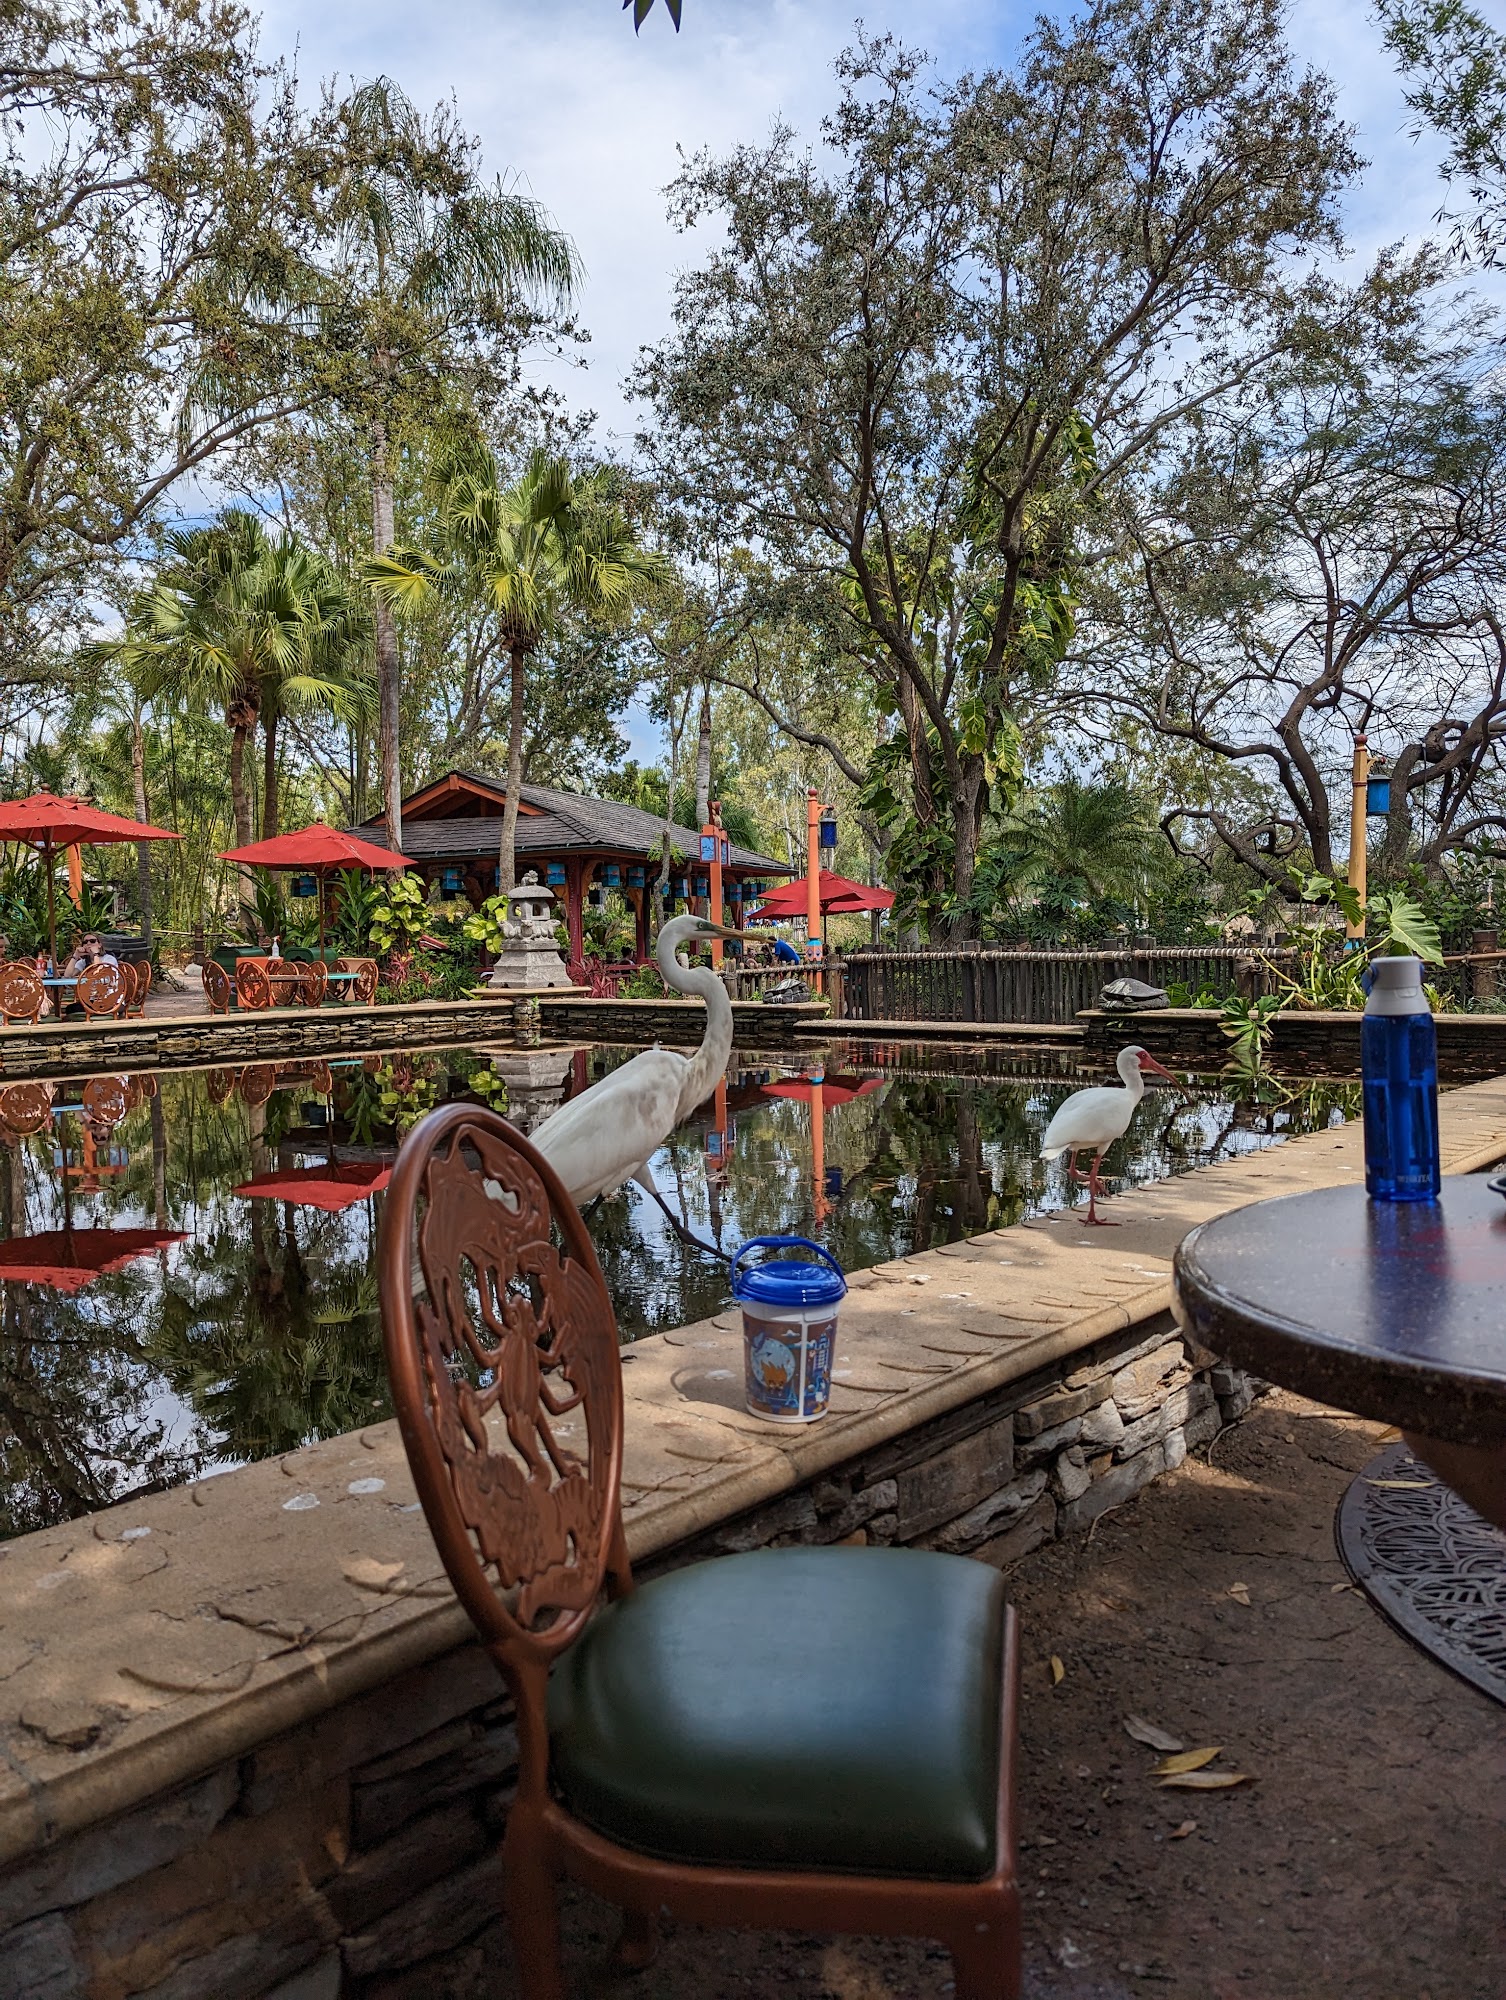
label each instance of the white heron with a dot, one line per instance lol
(1097, 1118)
(608, 1134)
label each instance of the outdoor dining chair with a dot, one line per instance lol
(314, 983)
(100, 990)
(140, 975)
(816, 1738)
(22, 994)
(363, 987)
(219, 991)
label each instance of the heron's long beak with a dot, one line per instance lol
(718, 930)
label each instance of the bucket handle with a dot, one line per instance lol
(785, 1243)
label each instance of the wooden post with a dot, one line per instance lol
(1483, 977)
(1358, 782)
(575, 922)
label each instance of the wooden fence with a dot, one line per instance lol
(1051, 986)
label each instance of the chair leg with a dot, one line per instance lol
(638, 1944)
(528, 1895)
(986, 1959)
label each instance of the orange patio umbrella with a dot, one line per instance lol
(315, 850)
(47, 822)
(69, 1259)
(331, 1188)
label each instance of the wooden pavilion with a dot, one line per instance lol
(579, 846)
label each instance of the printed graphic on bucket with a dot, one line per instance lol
(772, 1352)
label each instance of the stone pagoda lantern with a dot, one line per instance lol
(528, 955)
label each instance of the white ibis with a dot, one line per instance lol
(606, 1136)
(1096, 1118)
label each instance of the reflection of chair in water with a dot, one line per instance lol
(22, 994)
(25, 1108)
(257, 1082)
(100, 990)
(107, 1099)
(675, 1755)
(218, 1084)
(253, 990)
(218, 990)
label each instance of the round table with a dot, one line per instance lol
(1394, 1310)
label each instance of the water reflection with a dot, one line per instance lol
(186, 1262)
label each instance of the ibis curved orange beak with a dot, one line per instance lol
(1149, 1062)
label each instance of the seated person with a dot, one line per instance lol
(89, 950)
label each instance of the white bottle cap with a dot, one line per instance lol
(1396, 987)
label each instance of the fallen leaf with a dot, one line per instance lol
(1148, 1734)
(371, 1574)
(1388, 1436)
(1203, 1781)
(1335, 1588)
(1402, 1485)
(1189, 1760)
(1058, 1671)
(1240, 1592)
(1181, 1832)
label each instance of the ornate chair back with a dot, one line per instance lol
(21, 991)
(218, 989)
(315, 983)
(100, 989)
(502, 1351)
(363, 987)
(141, 977)
(253, 989)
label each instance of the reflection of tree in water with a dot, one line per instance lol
(77, 1425)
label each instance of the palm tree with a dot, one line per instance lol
(424, 253)
(531, 554)
(256, 626)
(1102, 835)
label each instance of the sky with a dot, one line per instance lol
(590, 119)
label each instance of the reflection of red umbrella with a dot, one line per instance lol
(838, 892)
(46, 822)
(834, 1089)
(314, 850)
(69, 1259)
(331, 1188)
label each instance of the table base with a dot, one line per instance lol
(1430, 1564)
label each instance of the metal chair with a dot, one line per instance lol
(100, 990)
(314, 984)
(812, 1737)
(363, 987)
(22, 994)
(219, 990)
(141, 984)
(253, 989)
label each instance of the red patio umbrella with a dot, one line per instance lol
(69, 1259)
(834, 1089)
(838, 892)
(46, 822)
(331, 1187)
(314, 850)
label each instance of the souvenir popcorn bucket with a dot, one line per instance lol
(789, 1313)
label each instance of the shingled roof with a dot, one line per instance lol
(559, 822)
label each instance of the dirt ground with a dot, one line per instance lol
(1366, 1860)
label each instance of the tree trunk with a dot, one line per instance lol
(269, 807)
(703, 764)
(143, 858)
(507, 859)
(967, 823)
(389, 687)
(240, 805)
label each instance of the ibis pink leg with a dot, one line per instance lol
(1094, 1190)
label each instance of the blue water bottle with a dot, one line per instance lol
(1399, 1065)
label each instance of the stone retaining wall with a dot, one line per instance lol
(1470, 1046)
(355, 1857)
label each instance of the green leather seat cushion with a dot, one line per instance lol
(793, 1708)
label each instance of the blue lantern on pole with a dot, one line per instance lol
(708, 847)
(555, 875)
(828, 832)
(1377, 797)
(613, 877)
(635, 878)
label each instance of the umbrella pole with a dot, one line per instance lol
(52, 914)
(322, 886)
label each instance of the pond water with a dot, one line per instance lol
(187, 1259)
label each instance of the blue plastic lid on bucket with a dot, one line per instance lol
(785, 1281)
